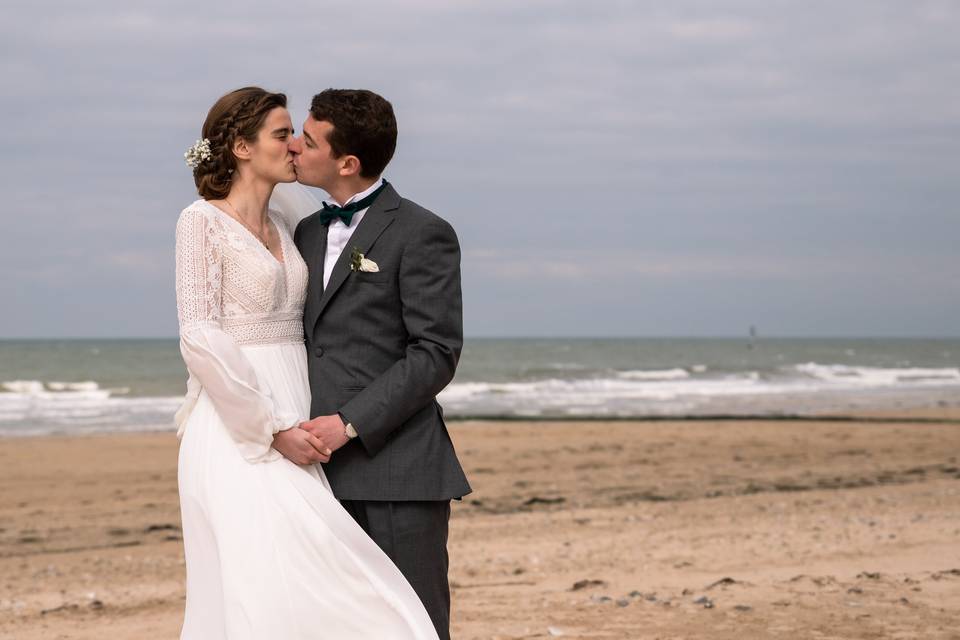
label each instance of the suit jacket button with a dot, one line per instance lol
(318, 352)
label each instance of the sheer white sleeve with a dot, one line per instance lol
(214, 361)
(294, 202)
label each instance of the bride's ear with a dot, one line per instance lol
(350, 165)
(241, 149)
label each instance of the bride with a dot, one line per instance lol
(270, 552)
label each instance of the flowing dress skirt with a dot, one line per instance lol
(270, 553)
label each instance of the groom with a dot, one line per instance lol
(383, 327)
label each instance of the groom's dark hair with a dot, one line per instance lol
(363, 126)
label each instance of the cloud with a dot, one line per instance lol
(712, 30)
(707, 266)
(683, 143)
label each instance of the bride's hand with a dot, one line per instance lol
(301, 447)
(330, 430)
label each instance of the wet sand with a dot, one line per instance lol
(738, 529)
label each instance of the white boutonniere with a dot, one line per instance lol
(359, 263)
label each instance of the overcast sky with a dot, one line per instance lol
(612, 168)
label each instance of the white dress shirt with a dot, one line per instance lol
(338, 234)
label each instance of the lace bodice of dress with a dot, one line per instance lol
(232, 292)
(227, 276)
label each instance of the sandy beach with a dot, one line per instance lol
(736, 529)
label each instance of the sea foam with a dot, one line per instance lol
(36, 407)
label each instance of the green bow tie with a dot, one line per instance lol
(329, 213)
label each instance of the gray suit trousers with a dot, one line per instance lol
(414, 535)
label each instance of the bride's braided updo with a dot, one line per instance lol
(239, 114)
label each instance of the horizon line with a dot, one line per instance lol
(757, 338)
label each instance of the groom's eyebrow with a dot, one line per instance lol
(308, 137)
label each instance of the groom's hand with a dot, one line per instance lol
(301, 447)
(330, 430)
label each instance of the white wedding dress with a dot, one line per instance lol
(270, 553)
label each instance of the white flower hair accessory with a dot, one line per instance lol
(198, 153)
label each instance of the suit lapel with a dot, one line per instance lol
(377, 218)
(315, 284)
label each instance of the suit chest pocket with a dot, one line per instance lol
(381, 278)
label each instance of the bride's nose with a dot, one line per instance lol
(294, 145)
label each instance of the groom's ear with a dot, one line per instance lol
(349, 166)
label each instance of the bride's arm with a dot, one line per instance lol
(211, 355)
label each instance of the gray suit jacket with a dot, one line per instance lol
(380, 346)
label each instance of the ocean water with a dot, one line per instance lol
(75, 386)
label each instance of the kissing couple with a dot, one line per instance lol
(315, 469)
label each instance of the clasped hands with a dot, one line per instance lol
(312, 441)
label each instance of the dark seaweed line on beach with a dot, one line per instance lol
(721, 417)
(747, 487)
